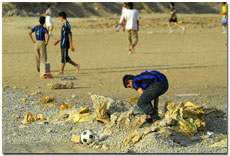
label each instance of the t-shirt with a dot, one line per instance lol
(65, 33)
(224, 10)
(40, 32)
(49, 12)
(173, 12)
(131, 16)
(122, 14)
(144, 79)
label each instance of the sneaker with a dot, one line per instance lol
(132, 48)
(130, 52)
(183, 30)
(118, 28)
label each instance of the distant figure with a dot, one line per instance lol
(49, 22)
(173, 19)
(224, 17)
(66, 43)
(131, 24)
(124, 8)
(42, 39)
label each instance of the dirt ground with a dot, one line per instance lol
(193, 63)
(192, 60)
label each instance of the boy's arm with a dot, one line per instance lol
(70, 43)
(123, 25)
(55, 43)
(140, 91)
(47, 39)
(30, 35)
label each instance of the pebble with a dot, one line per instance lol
(16, 116)
(48, 130)
(22, 126)
(38, 87)
(14, 87)
(73, 96)
(105, 147)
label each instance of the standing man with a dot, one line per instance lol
(66, 43)
(131, 24)
(42, 39)
(173, 18)
(224, 17)
(124, 8)
(150, 84)
(49, 22)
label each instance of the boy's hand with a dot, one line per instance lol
(46, 43)
(71, 48)
(123, 29)
(56, 43)
(33, 41)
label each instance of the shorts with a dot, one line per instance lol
(173, 20)
(64, 55)
(224, 21)
(49, 22)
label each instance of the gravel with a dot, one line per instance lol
(48, 133)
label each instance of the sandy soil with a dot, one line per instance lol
(194, 63)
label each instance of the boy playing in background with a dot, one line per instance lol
(131, 24)
(150, 85)
(42, 39)
(173, 19)
(66, 43)
(124, 8)
(49, 22)
(224, 17)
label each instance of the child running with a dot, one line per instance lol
(224, 17)
(42, 39)
(131, 24)
(49, 22)
(66, 43)
(173, 19)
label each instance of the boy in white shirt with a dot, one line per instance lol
(124, 8)
(49, 22)
(131, 24)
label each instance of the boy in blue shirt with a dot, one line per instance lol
(42, 39)
(150, 85)
(66, 43)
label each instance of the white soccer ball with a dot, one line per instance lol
(87, 137)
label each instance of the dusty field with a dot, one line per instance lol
(194, 63)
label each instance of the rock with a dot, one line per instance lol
(48, 130)
(105, 147)
(16, 116)
(40, 117)
(22, 126)
(61, 85)
(98, 146)
(15, 87)
(24, 100)
(29, 118)
(47, 99)
(74, 96)
(155, 128)
(38, 87)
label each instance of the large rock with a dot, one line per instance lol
(61, 85)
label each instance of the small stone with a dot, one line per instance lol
(24, 100)
(22, 126)
(98, 146)
(105, 147)
(14, 134)
(15, 87)
(76, 138)
(16, 116)
(73, 96)
(38, 87)
(48, 130)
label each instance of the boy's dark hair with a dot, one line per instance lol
(172, 3)
(49, 5)
(42, 20)
(126, 78)
(125, 3)
(130, 5)
(63, 14)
